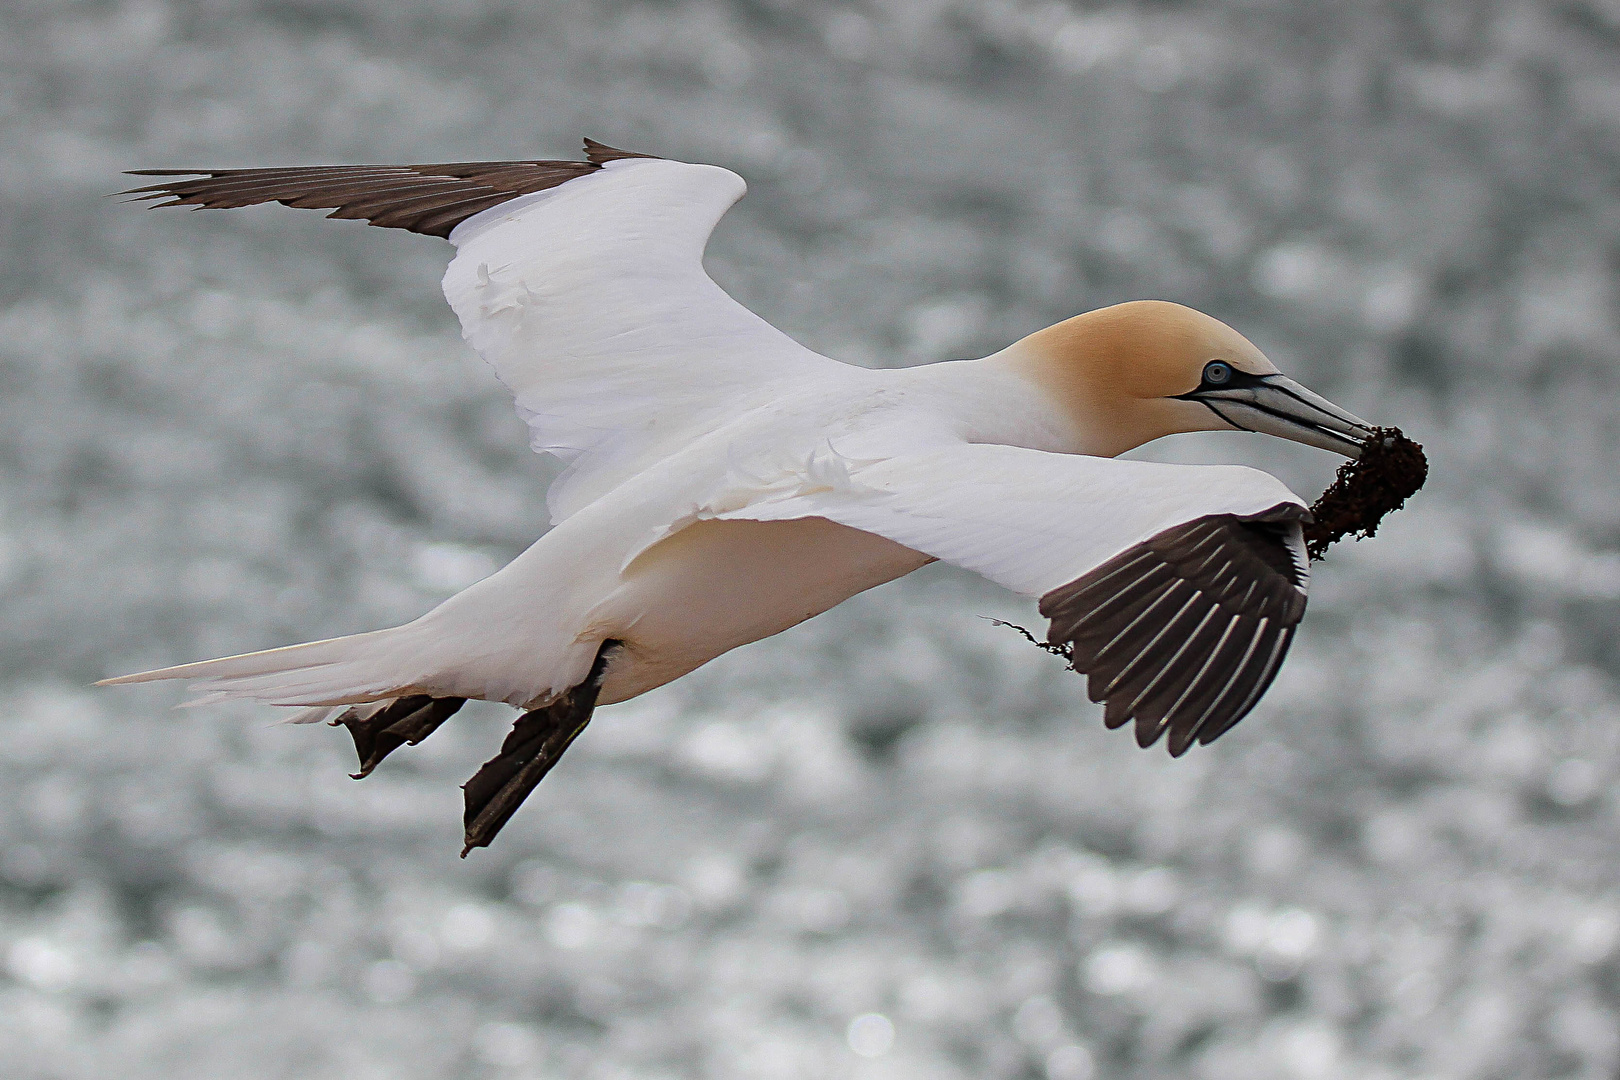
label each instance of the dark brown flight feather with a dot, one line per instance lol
(427, 199)
(1185, 631)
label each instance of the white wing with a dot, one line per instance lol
(591, 303)
(1028, 520)
(582, 284)
(1177, 587)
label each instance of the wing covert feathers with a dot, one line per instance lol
(427, 199)
(1186, 630)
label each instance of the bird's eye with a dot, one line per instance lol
(1217, 373)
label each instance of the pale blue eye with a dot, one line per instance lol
(1217, 373)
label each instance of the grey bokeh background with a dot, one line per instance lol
(226, 431)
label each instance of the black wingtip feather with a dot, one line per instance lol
(1185, 632)
(427, 199)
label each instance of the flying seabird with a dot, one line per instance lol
(724, 483)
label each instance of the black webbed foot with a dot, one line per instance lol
(404, 720)
(536, 742)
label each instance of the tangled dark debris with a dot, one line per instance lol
(1366, 490)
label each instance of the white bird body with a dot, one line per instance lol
(725, 483)
(769, 489)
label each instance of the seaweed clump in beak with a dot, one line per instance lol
(1390, 470)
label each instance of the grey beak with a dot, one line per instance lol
(1277, 405)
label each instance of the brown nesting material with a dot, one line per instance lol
(1367, 489)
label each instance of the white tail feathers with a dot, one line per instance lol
(337, 671)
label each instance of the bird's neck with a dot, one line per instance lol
(1098, 417)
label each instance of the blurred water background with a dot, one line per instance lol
(894, 842)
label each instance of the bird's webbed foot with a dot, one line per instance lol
(406, 720)
(537, 740)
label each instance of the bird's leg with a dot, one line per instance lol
(403, 720)
(537, 740)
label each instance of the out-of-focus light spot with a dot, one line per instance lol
(414, 946)
(1391, 302)
(1039, 1021)
(1246, 928)
(1291, 938)
(1094, 888)
(1459, 92)
(25, 865)
(506, 1045)
(1592, 938)
(986, 894)
(644, 903)
(1274, 852)
(725, 750)
(1598, 575)
(1080, 44)
(849, 36)
(929, 998)
(1124, 233)
(467, 927)
(572, 926)
(450, 567)
(1392, 837)
(1154, 891)
(389, 982)
(1159, 68)
(1292, 932)
(764, 145)
(146, 966)
(1417, 994)
(1544, 555)
(727, 65)
(1309, 1051)
(46, 1020)
(202, 939)
(307, 963)
(10, 559)
(1293, 271)
(804, 172)
(1277, 174)
(1585, 1029)
(55, 803)
(871, 1035)
(1118, 969)
(1573, 782)
(214, 314)
(1279, 941)
(820, 911)
(534, 882)
(716, 880)
(41, 963)
(945, 325)
(1072, 1062)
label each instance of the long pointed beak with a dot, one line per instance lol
(1277, 405)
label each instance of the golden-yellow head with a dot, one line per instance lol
(1135, 372)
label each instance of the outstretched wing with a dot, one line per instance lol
(580, 282)
(1178, 587)
(427, 199)
(591, 303)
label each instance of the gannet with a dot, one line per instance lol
(724, 482)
